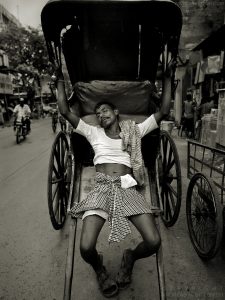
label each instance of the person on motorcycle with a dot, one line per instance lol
(22, 113)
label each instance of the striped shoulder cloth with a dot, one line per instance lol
(131, 142)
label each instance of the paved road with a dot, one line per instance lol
(32, 253)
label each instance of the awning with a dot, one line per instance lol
(214, 43)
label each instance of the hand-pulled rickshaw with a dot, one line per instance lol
(113, 51)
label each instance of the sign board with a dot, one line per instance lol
(6, 86)
(220, 136)
(213, 64)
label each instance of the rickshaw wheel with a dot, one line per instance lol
(54, 125)
(169, 179)
(204, 216)
(59, 180)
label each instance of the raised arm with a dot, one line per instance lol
(63, 103)
(166, 94)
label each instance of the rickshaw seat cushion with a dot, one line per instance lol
(92, 119)
(131, 98)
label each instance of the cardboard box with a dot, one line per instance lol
(220, 136)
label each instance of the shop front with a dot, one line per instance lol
(6, 90)
(208, 79)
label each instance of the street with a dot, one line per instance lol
(33, 254)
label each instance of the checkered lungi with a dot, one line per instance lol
(118, 202)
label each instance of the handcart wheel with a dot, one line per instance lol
(59, 180)
(170, 189)
(204, 216)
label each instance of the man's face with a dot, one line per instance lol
(21, 103)
(106, 115)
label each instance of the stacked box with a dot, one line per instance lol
(205, 129)
(213, 138)
(220, 136)
(209, 130)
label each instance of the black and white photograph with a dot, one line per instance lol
(112, 149)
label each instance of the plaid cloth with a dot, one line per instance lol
(131, 142)
(119, 203)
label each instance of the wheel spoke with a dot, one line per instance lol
(66, 158)
(62, 153)
(168, 211)
(171, 197)
(56, 172)
(165, 144)
(198, 229)
(170, 155)
(54, 181)
(171, 189)
(169, 166)
(57, 157)
(56, 190)
(201, 233)
(56, 204)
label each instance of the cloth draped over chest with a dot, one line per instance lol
(131, 142)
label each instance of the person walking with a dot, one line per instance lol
(189, 116)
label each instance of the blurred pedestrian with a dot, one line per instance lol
(2, 121)
(188, 118)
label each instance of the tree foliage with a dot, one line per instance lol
(25, 48)
(27, 54)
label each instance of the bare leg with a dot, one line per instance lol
(145, 224)
(91, 228)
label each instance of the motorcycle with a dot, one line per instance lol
(20, 130)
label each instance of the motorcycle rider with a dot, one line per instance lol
(22, 112)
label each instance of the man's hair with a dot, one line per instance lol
(189, 97)
(102, 103)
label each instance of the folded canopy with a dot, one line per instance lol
(111, 39)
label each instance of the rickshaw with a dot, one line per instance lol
(114, 50)
(205, 197)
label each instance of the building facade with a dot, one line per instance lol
(200, 19)
(6, 85)
(6, 18)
